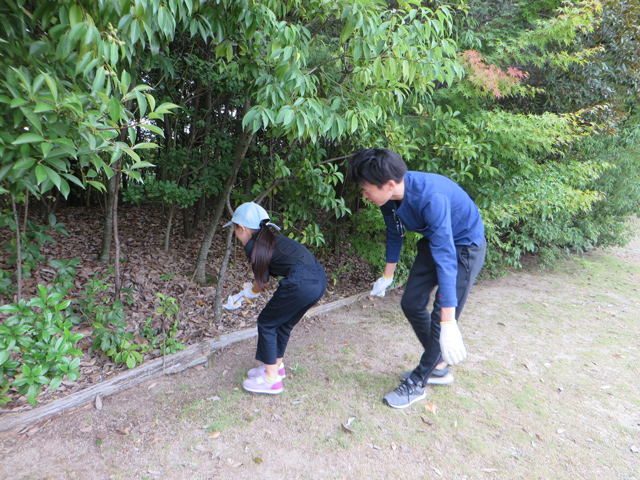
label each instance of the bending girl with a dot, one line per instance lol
(303, 284)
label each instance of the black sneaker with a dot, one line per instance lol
(440, 376)
(406, 394)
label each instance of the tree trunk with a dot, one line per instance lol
(26, 210)
(217, 305)
(116, 237)
(107, 231)
(241, 149)
(16, 218)
(167, 234)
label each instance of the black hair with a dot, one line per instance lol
(377, 166)
(264, 242)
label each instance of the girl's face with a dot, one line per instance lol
(243, 233)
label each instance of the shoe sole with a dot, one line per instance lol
(256, 376)
(268, 392)
(421, 397)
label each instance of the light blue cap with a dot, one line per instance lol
(250, 215)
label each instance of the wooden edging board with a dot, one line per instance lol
(193, 355)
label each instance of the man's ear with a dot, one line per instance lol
(390, 185)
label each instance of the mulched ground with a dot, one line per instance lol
(148, 269)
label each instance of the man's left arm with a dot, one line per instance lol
(445, 257)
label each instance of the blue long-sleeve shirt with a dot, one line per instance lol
(444, 213)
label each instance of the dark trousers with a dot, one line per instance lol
(296, 293)
(423, 278)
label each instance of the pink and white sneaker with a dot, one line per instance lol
(261, 370)
(262, 384)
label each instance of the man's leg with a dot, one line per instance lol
(421, 282)
(470, 261)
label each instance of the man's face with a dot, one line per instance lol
(377, 195)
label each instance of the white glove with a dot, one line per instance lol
(235, 301)
(451, 344)
(248, 292)
(380, 287)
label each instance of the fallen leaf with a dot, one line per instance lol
(616, 355)
(561, 431)
(257, 460)
(490, 470)
(427, 422)
(86, 429)
(152, 385)
(393, 446)
(430, 407)
(214, 435)
(201, 448)
(634, 449)
(347, 429)
(123, 431)
(98, 402)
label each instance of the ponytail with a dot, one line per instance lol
(265, 241)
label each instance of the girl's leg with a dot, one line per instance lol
(295, 295)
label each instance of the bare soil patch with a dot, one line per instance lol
(550, 390)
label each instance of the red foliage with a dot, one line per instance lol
(490, 78)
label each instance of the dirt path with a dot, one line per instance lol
(550, 390)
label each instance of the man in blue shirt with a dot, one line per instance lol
(450, 256)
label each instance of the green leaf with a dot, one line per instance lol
(41, 174)
(132, 154)
(149, 145)
(28, 138)
(347, 31)
(66, 145)
(114, 110)
(42, 107)
(64, 188)
(73, 179)
(24, 163)
(155, 129)
(98, 81)
(52, 86)
(53, 176)
(55, 382)
(97, 185)
(32, 394)
(75, 15)
(38, 48)
(131, 361)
